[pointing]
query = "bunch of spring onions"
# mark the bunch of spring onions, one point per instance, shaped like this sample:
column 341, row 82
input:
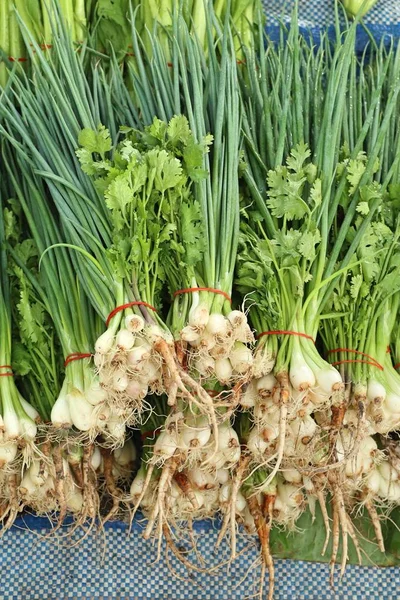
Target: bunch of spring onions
column 38, row 16
column 61, row 473
column 106, row 26
column 208, row 253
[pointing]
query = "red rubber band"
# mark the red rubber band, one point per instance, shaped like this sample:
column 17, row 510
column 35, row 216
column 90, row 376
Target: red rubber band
column 212, row 393
column 364, row 362
column 76, row 356
column 283, row 332
column 21, row 60
column 6, row 374
column 128, row 305
column 353, row 352
column 151, row 433
column 373, row 362
column 203, row 289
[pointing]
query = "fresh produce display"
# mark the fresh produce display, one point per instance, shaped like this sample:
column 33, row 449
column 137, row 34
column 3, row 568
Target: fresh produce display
column 104, row 27
column 200, row 279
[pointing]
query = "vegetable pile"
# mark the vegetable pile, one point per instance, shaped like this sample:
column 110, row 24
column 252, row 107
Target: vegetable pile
column 199, row 286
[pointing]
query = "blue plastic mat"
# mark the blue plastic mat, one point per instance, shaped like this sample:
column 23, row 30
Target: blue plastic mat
column 115, row 565
column 383, row 21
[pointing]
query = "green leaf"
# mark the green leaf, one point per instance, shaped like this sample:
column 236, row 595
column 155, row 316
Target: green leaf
column 355, row 170
column 192, row 233
column 363, row 208
column 11, row 226
column 156, row 130
column 168, row 170
column 356, row 283
column 95, row 141
column 26, row 251
column 298, row 157
column 178, row 130
column 21, row 359
column 193, row 156
column 31, row 321
column 286, row 246
column 284, row 195
column 307, row 541
column 316, row 193
column 119, row 193
column 307, row 243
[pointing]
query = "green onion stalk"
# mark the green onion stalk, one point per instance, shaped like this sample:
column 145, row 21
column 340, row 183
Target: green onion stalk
column 58, row 328
column 12, row 49
column 395, row 345
column 200, row 270
column 113, row 268
column 285, row 233
column 39, row 18
column 81, row 401
column 37, row 361
column 146, row 182
column 156, row 18
column 360, row 322
column 202, row 318
column 362, row 311
column 298, row 244
column 18, row 419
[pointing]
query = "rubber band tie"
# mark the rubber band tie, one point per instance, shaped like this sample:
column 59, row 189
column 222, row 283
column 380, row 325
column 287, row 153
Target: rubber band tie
column 151, row 433
column 203, row 289
column 284, row 332
column 76, row 356
column 128, row 305
column 6, row 374
column 373, row 362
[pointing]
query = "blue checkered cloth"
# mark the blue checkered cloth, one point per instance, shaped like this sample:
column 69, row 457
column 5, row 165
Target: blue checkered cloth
column 115, row 565
column 383, row 20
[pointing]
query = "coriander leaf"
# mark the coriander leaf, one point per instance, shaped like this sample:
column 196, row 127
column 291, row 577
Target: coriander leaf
column 355, row 170
column 363, row 208
column 119, row 193
column 157, row 130
column 316, row 192
column 21, row 359
column 95, row 141
column 298, row 157
column 193, row 160
column 286, row 246
column 11, row 227
column 307, row 243
column 32, row 319
column 192, row 233
column 168, row 170
column 284, row 195
column 178, row 130
column 356, row 283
